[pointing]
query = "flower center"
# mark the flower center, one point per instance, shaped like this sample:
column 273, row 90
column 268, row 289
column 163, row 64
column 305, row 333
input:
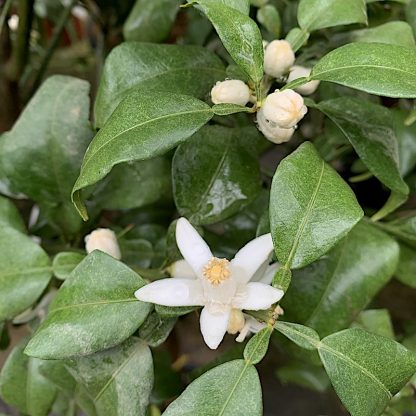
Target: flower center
column 217, row 270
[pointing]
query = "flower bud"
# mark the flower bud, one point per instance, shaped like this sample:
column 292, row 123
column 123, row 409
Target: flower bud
column 299, row 72
column 284, row 108
column 181, row 269
column 236, row 322
column 104, row 240
column 232, row 91
column 272, row 131
column 278, row 58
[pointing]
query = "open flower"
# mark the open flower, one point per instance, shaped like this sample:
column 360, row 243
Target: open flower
column 220, row 286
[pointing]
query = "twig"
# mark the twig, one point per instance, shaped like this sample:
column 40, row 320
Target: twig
column 4, row 12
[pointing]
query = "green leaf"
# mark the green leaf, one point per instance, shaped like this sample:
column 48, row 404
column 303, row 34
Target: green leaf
column 395, row 33
column 269, row 17
column 328, row 294
column 406, row 136
column 376, row 321
column 94, row 309
column 230, row 389
column 366, row 370
column 215, row 173
column 191, row 70
column 369, row 128
column 407, row 265
column 404, row 228
column 25, row 272
column 135, row 184
column 156, row 329
column 23, row 386
column 311, row 208
column 9, row 215
column 239, row 34
column 150, row 21
column 303, row 336
column 119, row 379
column 257, row 346
column 376, row 68
column 143, row 126
column 297, row 38
column 50, row 136
column 318, row 14
column 411, row 14
column 64, row 262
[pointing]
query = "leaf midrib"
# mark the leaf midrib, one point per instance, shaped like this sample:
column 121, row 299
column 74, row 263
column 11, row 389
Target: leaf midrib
column 156, row 119
column 96, row 303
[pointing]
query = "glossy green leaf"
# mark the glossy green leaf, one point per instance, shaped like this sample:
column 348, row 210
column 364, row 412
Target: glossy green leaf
column 216, row 173
column 318, row 14
column 404, row 228
column 369, row 128
column 405, row 271
column 311, row 208
column 9, row 215
column 301, row 335
column 297, row 38
column 25, row 272
column 156, row 329
column 377, row 68
column 230, row 389
column 150, row 21
column 119, row 379
column 189, row 70
column 269, row 17
column 257, row 346
column 239, row 34
column 395, row 33
column 376, row 321
column 242, row 6
column 51, row 136
column 406, row 136
column 366, row 370
column 63, row 263
column 94, row 309
column 23, row 386
column 144, row 125
column 328, row 294
column 135, row 184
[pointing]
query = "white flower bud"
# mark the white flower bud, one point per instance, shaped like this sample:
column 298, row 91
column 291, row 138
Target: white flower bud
column 299, row 72
column 232, row 91
column 278, row 58
column 181, row 269
column 104, row 240
column 285, row 108
column 236, row 322
column 272, row 131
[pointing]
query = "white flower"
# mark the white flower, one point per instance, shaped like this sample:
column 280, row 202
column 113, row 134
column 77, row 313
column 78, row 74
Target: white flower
column 299, row 72
column 272, row 131
column 104, row 240
column 232, row 91
column 278, row 58
column 221, row 286
column 285, row 108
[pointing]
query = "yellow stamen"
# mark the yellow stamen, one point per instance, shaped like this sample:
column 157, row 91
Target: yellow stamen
column 217, row 270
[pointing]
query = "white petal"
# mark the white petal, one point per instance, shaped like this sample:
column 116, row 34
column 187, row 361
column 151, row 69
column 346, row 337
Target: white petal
column 193, row 248
column 181, row 269
column 213, row 326
column 172, row 292
column 268, row 275
column 251, row 257
column 258, row 296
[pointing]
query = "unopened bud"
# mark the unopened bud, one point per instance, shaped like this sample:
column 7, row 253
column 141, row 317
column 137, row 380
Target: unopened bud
column 278, row 58
column 232, row 91
column 181, row 269
column 299, row 72
column 104, row 240
column 285, row 108
column 236, row 322
column 272, row 131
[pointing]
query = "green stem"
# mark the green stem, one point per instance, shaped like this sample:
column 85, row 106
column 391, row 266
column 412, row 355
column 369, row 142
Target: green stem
column 4, row 12
column 56, row 36
column 21, row 49
column 361, row 178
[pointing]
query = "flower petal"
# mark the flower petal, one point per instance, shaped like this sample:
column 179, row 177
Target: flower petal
column 193, row 248
column 258, row 296
column 267, row 277
column 172, row 292
column 252, row 256
column 181, row 269
column 214, row 326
